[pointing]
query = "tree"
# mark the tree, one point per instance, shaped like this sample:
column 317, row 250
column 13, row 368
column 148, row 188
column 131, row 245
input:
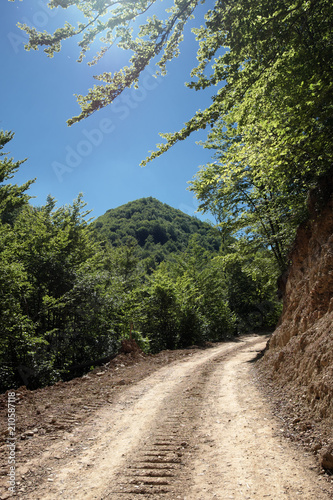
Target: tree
column 272, row 112
column 55, row 311
column 278, row 83
column 12, row 197
column 16, row 329
column 246, row 200
column 185, row 301
column 271, row 60
column 112, row 21
column 160, row 311
column 249, row 277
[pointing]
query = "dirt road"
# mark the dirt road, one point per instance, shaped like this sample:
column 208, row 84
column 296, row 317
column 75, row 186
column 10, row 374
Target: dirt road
column 197, row 429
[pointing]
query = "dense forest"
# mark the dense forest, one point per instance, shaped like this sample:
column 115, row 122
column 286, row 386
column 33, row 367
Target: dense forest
column 71, row 290
column 156, row 230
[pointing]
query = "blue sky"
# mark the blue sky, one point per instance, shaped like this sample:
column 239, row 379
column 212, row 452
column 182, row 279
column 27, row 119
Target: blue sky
column 99, row 156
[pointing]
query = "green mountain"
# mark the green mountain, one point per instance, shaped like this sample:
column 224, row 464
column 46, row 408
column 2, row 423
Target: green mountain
column 157, row 229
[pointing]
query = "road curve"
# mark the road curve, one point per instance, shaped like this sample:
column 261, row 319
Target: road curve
column 197, row 429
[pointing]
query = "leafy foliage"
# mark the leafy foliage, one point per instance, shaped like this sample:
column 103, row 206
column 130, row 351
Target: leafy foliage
column 69, row 296
column 156, row 230
column 271, row 116
column 112, row 22
column 271, row 61
column 12, row 197
column 70, row 290
column 258, row 209
column 202, row 297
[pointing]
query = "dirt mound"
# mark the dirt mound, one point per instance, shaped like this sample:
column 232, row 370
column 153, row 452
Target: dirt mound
column 129, row 347
column 299, row 360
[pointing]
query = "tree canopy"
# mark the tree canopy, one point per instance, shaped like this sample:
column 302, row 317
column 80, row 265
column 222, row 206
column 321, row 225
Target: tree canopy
column 155, row 230
column 271, row 115
column 271, row 61
column 273, row 137
column 114, row 23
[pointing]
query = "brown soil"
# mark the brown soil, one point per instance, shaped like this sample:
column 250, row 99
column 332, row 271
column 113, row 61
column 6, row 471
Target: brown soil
column 298, row 366
column 191, row 424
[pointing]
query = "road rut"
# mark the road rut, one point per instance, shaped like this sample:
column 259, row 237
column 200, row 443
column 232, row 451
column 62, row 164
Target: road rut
column 197, row 429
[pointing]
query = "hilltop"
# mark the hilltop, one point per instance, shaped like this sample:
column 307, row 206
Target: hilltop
column 155, row 228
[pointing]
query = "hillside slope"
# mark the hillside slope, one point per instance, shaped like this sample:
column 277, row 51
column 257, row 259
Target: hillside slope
column 299, row 359
column 158, row 229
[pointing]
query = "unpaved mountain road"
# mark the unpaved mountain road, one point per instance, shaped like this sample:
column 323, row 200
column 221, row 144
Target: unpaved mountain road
column 197, row 429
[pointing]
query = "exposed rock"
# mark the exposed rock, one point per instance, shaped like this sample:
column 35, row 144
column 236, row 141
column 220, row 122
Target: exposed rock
column 308, row 289
column 299, row 358
column 316, row 446
column 326, row 457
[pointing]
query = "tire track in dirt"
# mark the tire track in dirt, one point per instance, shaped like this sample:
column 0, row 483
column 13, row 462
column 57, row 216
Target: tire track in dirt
column 160, row 466
column 120, row 432
column 241, row 453
column 197, row 429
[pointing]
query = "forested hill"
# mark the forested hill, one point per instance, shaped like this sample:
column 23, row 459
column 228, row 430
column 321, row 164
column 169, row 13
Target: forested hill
column 157, row 228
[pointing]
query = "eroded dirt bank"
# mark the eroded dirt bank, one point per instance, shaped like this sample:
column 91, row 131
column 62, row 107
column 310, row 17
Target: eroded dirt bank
column 195, row 429
column 299, row 361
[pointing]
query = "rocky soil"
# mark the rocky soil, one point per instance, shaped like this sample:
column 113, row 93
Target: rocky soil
column 298, row 365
